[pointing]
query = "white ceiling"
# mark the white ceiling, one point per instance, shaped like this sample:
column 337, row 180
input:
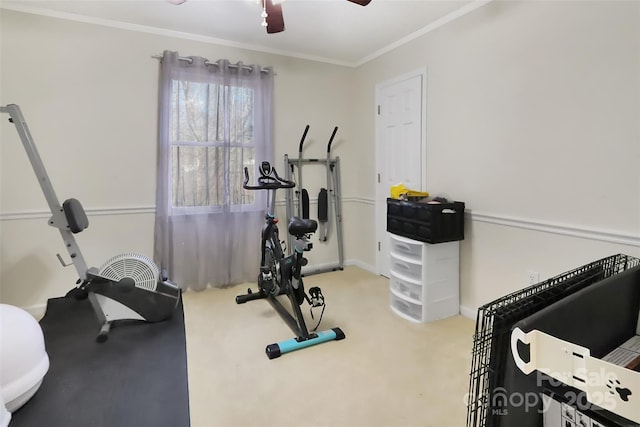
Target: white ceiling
column 335, row 31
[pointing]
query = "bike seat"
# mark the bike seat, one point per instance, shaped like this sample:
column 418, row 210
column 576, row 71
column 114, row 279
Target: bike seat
column 299, row 226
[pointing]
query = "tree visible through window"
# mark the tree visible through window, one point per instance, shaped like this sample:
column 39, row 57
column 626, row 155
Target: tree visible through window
column 206, row 172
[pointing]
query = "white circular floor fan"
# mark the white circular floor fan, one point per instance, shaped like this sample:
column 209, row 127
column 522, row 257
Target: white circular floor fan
column 140, row 268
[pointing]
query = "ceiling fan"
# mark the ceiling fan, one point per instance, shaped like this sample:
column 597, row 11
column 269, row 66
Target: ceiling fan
column 272, row 17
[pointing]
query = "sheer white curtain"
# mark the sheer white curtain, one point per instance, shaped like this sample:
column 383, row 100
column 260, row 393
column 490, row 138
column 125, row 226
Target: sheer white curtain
column 214, row 119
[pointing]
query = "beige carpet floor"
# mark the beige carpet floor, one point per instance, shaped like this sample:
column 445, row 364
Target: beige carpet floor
column 388, row 372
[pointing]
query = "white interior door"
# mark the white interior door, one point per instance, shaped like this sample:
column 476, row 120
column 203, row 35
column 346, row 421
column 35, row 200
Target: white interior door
column 400, row 147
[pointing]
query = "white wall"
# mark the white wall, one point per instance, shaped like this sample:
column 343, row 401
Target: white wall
column 533, row 119
column 89, row 95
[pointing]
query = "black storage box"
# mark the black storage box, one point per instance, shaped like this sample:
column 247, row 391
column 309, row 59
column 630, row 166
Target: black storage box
column 426, row 222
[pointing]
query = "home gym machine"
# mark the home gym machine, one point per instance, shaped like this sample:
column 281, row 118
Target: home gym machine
column 128, row 286
column 326, row 198
column 280, row 275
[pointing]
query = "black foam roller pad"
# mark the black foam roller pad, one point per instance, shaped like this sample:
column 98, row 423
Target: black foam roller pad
column 305, row 203
column 322, row 205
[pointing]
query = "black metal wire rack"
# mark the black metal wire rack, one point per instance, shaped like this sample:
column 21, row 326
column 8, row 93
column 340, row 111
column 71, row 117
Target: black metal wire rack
column 495, row 319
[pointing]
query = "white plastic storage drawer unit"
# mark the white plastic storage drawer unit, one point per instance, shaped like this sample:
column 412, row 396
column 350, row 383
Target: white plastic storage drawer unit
column 424, row 280
column 406, row 289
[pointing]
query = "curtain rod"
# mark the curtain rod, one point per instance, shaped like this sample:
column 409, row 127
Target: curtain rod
column 207, row 62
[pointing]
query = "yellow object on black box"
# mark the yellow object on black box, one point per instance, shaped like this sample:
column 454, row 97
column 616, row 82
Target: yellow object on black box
column 401, row 192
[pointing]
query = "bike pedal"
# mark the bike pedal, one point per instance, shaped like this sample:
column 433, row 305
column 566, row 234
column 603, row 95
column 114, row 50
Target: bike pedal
column 317, row 299
column 315, row 292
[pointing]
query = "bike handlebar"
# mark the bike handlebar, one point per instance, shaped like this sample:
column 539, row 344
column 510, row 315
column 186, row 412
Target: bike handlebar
column 268, row 180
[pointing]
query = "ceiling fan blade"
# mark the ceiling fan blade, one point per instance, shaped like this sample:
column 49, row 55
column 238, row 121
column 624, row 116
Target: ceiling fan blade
column 275, row 20
column 360, row 2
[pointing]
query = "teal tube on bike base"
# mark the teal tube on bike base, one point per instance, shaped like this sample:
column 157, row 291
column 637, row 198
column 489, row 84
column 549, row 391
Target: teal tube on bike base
column 278, row 349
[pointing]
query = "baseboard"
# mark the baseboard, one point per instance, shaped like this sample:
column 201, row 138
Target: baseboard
column 363, row 265
column 37, row 310
column 469, row 313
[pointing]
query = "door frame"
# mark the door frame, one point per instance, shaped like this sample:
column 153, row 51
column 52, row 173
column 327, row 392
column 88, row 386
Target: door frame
column 380, row 203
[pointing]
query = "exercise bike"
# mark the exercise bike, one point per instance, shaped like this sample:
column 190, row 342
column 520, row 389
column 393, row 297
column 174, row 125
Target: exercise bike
column 282, row 276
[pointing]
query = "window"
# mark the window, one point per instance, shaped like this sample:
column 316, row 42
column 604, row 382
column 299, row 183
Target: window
column 205, row 172
column 214, row 119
